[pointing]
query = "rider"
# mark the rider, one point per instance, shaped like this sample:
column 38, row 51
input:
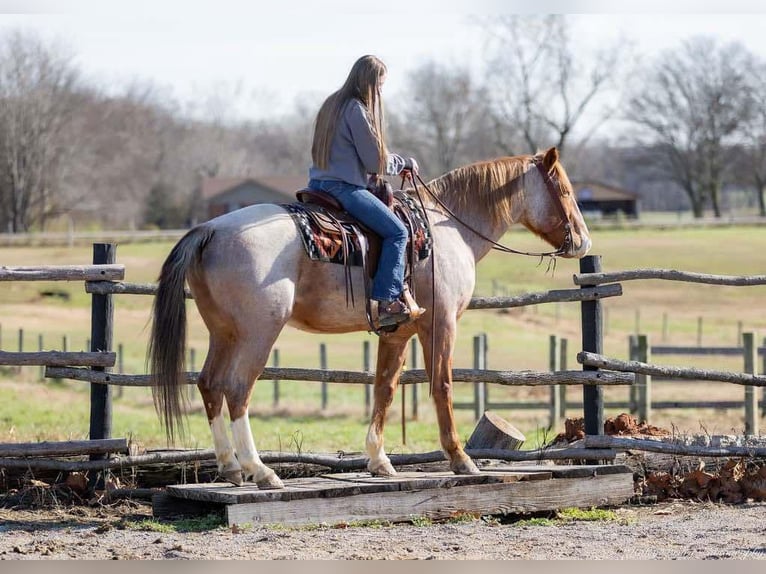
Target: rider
column 349, row 147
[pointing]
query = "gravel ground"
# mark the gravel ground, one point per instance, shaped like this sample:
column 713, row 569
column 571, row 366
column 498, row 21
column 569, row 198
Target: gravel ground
column 674, row 530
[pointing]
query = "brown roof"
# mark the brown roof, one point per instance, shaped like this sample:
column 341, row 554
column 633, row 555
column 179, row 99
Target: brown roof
column 592, row 191
column 285, row 184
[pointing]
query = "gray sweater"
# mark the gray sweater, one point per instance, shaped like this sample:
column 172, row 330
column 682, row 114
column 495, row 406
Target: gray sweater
column 354, row 152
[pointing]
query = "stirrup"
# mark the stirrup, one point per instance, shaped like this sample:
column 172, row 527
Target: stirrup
column 392, row 313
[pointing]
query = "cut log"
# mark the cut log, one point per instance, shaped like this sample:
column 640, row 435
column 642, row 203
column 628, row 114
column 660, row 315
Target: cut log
column 494, row 432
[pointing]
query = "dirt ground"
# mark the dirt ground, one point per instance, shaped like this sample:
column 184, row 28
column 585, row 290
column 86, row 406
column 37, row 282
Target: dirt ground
column 671, row 530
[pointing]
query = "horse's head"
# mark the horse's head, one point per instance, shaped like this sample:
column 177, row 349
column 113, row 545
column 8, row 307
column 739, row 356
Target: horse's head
column 551, row 207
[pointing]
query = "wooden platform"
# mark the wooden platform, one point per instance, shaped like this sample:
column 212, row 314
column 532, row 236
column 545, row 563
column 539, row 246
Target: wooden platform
column 346, row 497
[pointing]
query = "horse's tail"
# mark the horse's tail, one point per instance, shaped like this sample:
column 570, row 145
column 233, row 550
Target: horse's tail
column 167, row 343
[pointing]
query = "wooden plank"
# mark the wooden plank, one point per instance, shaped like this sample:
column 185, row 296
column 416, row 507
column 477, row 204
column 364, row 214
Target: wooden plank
column 553, row 296
column 441, row 503
column 415, row 376
column 64, row 448
column 716, row 351
column 58, row 358
column 565, row 471
column 335, row 485
column 598, row 360
column 597, row 278
column 110, row 272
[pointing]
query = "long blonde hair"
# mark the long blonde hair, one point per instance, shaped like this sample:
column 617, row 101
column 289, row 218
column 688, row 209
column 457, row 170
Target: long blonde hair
column 363, row 83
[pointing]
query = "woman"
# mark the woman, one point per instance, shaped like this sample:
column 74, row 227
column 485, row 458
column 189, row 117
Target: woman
column 348, row 148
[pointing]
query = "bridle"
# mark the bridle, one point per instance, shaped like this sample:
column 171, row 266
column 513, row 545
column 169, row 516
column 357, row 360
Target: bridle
column 550, row 185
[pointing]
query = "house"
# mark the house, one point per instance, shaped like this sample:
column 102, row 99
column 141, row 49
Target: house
column 605, row 200
column 225, row 194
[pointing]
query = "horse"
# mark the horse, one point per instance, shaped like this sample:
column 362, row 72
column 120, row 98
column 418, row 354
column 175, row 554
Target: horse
column 250, row 276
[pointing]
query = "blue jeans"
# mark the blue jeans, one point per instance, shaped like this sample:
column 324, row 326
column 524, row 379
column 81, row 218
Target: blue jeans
column 364, row 206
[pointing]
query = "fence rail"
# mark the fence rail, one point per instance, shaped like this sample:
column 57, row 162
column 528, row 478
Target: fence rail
column 668, row 275
column 691, row 373
column 409, row 377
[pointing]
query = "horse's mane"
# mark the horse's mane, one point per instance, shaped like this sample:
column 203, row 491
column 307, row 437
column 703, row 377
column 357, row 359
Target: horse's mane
column 485, row 185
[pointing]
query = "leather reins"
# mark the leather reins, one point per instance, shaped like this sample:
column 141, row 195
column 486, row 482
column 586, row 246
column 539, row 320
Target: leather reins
column 555, row 196
column 564, row 248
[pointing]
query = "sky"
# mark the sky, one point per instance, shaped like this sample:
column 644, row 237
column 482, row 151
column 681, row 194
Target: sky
column 262, row 57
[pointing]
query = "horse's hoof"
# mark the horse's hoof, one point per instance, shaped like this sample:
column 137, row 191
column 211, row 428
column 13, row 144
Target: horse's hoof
column 465, row 466
column 271, row 481
column 233, row 476
column 382, row 469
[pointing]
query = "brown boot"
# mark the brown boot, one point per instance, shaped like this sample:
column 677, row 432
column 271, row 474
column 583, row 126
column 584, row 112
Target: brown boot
column 392, row 312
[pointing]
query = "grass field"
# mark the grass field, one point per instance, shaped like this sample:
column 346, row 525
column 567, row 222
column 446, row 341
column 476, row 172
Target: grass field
column 518, row 339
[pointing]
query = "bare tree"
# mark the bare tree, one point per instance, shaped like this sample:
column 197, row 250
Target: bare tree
column 540, row 89
column 437, row 115
column 37, row 86
column 694, row 102
column 754, row 132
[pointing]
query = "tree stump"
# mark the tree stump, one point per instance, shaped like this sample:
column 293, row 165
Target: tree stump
column 494, row 432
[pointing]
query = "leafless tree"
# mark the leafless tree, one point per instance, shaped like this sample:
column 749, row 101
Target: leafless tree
column 540, row 89
column 437, row 115
column 692, row 106
column 37, row 85
column 754, row 132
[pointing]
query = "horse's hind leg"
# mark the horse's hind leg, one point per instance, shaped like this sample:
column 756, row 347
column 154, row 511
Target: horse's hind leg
column 391, row 353
column 230, row 372
column 249, row 357
column 212, row 397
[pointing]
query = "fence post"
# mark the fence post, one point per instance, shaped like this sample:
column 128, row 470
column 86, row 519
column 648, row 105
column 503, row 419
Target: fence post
column 593, row 341
column 478, row 388
column 366, row 367
column 633, row 390
column 486, row 366
column 323, row 366
column 643, row 382
column 21, row 340
column 751, row 397
column 553, row 366
column 275, row 382
column 101, row 329
column 563, row 343
column 415, row 387
column 664, row 327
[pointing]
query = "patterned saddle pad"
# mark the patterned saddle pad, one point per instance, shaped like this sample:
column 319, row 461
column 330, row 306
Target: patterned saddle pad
column 323, row 238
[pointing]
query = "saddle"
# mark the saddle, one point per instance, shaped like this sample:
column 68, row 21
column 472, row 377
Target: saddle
column 332, row 235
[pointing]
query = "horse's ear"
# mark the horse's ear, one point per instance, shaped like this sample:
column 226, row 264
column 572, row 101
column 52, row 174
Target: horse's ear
column 550, row 158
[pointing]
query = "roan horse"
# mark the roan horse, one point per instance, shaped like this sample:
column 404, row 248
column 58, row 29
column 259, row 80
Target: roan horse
column 250, row 276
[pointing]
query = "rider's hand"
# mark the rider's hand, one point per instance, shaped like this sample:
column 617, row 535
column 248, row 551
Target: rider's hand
column 411, row 165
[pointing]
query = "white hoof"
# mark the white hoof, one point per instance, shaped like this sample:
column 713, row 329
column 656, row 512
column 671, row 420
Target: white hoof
column 381, row 469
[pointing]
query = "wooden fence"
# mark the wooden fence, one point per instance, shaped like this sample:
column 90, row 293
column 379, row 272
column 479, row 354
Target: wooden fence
column 103, row 280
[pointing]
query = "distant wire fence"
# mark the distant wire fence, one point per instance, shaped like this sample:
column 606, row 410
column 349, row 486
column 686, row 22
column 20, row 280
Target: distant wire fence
column 104, row 278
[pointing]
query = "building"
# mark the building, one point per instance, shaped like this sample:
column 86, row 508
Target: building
column 605, row 200
column 225, row 194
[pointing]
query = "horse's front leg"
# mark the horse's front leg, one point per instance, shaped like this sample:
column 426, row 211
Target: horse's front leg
column 391, row 353
column 440, row 375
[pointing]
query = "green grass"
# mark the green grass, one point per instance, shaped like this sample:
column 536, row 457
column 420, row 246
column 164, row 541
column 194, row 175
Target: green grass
column 569, row 515
column 198, row 524
column 518, row 339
